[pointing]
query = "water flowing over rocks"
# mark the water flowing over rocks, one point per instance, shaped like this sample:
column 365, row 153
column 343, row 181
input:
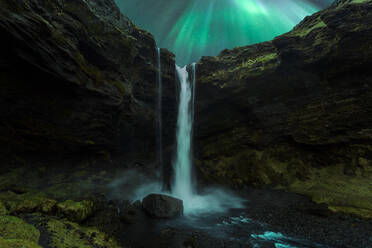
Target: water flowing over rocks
column 295, row 112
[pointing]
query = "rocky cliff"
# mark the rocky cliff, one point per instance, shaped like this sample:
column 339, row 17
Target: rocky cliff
column 79, row 77
column 78, row 97
column 295, row 112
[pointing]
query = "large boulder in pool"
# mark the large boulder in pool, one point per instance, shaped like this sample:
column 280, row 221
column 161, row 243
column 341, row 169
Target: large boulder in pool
column 162, row 206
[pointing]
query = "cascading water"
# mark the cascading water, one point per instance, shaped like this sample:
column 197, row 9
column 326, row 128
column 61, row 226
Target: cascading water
column 210, row 200
column 159, row 113
column 183, row 184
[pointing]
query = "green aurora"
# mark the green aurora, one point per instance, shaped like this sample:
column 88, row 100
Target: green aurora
column 195, row 28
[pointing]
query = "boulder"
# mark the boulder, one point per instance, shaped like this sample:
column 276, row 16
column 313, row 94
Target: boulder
column 131, row 213
column 162, row 206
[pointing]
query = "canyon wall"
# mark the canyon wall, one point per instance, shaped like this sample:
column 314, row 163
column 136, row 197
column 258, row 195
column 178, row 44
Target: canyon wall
column 295, row 112
column 78, row 77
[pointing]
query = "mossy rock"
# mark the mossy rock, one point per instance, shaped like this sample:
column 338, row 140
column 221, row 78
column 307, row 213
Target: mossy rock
column 76, row 211
column 65, row 234
column 17, row 243
column 343, row 194
column 13, row 228
column 239, row 167
column 364, row 213
column 3, row 209
column 27, row 203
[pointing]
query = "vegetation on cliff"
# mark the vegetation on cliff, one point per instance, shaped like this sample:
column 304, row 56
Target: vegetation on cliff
column 294, row 113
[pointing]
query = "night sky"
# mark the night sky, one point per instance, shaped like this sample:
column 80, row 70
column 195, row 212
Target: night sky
column 194, row 28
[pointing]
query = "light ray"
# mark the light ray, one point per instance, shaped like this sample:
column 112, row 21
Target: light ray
column 195, row 28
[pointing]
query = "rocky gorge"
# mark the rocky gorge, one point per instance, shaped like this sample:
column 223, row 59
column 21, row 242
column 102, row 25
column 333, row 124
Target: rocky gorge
column 287, row 122
column 295, row 112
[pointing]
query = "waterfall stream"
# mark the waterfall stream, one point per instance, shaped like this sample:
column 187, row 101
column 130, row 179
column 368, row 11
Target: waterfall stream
column 159, row 139
column 184, row 183
column 183, row 186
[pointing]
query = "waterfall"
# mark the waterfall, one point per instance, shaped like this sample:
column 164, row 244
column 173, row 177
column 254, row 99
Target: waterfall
column 210, row 199
column 183, row 185
column 193, row 67
column 159, row 139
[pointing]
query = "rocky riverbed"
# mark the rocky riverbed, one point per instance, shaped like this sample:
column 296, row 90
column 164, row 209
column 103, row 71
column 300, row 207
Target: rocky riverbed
column 80, row 207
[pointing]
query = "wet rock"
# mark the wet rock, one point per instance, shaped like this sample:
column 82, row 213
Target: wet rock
column 162, row 206
column 133, row 216
column 131, row 213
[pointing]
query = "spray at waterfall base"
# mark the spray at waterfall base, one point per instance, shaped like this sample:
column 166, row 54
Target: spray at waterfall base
column 183, row 185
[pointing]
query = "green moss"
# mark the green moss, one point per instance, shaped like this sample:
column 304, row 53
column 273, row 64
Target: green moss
column 89, row 69
column 342, row 4
column 120, row 86
column 255, row 66
column 27, row 203
column 17, row 243
column 98, row 76
column 360, row 212
column 360, row 1
column 67, row 234
column 290, row 168
column 329, row 185
column 3, row 209
column 248, row 166
column 76, row 211
column 15, row 228
column 248, row 63
column 225, row 158
column 339, row 176
column 304, row 31
column 90, row 142
column 247, row 66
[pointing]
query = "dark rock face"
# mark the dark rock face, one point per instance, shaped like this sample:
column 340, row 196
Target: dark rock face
column 162, row 206
column 294, row 112
column 78, row 76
